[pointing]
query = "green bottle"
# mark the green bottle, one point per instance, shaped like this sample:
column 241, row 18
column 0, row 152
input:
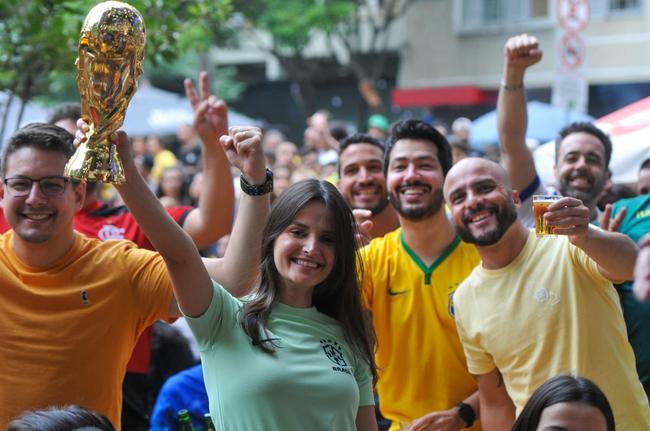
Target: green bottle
column 184, row 421
column 207, row 423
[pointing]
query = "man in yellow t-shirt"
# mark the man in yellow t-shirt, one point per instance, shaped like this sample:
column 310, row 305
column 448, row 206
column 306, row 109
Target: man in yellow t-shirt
column 409, row 277
column 540, row 307
column 162, row 158
column 71, row 308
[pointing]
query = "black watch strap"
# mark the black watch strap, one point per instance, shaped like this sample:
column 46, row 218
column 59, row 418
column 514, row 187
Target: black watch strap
column 467, row 414
column 257, row 190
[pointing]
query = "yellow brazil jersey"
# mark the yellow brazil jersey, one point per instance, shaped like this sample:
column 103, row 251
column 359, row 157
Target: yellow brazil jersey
column 422, row 366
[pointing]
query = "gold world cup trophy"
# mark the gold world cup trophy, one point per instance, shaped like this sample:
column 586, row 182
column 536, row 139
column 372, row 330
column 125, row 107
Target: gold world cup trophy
column 111, row 56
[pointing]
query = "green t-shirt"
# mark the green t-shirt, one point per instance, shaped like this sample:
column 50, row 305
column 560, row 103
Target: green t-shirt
column 311, row 382
column 636, row 224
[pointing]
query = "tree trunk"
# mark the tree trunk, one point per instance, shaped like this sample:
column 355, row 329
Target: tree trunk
column 7, row 109
column 5, row 114
column 302, row 86
column 26, row 95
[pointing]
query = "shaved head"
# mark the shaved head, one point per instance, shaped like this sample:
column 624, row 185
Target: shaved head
column 483, row 205
column 474, row 166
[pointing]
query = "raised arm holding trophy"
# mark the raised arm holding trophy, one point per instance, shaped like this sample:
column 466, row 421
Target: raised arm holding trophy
column 111, row 56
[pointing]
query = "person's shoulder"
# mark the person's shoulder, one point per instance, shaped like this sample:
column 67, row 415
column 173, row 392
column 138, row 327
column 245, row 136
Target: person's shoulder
column 467, row 251
column 119, row 249
column 178, row 212
column 94, row 219
column 6, row 248
column 190, row 375
column 166, row 154
column 378, row 246
column 465, row 288
column 5, row 238
column 88, row 243
column 642, row 201
column 391, row 237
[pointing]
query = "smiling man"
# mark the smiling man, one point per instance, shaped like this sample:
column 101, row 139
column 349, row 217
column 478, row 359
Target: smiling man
column 582, row 151
column 410, row 275
column 539, row 307
column 71, row 308
column 362, row 182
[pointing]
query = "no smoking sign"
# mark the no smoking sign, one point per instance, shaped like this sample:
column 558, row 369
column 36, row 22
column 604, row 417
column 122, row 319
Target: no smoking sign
column 572, row 51
column 573, row 15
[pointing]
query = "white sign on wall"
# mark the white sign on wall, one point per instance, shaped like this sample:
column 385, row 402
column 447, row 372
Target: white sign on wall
column 573, row 15
column 571, row 92
column 570, row 88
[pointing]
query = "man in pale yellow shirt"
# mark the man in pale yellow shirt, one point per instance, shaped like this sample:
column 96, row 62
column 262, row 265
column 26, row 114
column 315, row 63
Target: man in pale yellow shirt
column 539, row 307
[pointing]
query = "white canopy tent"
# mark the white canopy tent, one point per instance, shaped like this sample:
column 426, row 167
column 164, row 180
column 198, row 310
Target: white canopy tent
column 544, row 121
column 629, row 130
column 157, row 112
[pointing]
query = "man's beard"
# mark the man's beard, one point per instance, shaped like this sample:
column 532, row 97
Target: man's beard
column 505, row 215
column 383, row 203
column 421, row 213
column 588, row 197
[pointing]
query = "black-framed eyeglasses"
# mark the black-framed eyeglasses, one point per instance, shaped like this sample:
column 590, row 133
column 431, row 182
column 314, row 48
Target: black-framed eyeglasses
column 50, row 186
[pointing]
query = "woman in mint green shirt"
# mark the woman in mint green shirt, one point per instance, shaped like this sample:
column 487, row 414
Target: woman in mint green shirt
column 297, row 355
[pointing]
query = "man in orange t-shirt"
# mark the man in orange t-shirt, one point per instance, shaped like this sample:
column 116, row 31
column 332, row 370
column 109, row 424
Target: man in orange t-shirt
column 205, row 224
column 71, row 308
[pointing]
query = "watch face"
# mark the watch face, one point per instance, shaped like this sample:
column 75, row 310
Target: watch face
column 466, row 413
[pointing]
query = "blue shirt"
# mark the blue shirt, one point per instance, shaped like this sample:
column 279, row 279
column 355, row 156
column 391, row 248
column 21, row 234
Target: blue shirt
column 184, row 390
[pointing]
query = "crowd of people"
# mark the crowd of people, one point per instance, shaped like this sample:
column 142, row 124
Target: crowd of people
column 389, row 279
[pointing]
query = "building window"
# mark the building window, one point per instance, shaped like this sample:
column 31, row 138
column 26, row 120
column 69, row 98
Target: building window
column 539, row 9
column 624, row 5
column 492, row 11
column 500, row 15
column 613, row 8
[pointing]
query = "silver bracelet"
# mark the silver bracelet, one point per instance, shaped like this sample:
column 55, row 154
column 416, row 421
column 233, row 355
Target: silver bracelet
column 515, row 87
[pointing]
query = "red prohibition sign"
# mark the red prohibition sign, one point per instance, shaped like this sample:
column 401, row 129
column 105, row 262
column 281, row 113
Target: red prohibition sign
column 572, row 50
column 573, row 15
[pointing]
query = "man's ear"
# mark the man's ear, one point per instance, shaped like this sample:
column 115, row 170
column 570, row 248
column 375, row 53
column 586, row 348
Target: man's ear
column 515, row 198
column 79, row 195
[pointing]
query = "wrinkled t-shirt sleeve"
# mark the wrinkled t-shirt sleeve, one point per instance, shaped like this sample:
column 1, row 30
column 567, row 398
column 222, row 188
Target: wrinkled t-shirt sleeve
column 479, row 361
column 364, row 380
column 220, row 316
column 151, row 292
column 588, row 265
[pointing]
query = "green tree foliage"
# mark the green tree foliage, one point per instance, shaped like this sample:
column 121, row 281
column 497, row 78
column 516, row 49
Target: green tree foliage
column 39, row 39
column 293, row 22
column 358, row 28
column 170, row 76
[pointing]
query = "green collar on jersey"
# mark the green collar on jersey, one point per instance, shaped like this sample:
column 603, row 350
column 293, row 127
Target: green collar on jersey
column 428, row 270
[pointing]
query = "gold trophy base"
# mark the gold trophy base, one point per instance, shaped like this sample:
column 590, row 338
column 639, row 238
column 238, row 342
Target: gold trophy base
column 93, row 163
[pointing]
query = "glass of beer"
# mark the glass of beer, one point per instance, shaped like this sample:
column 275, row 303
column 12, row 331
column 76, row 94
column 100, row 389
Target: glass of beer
column 540, row 206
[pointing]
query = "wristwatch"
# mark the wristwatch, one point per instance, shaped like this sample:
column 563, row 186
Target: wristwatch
column 466, row 413
column 257, row 190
